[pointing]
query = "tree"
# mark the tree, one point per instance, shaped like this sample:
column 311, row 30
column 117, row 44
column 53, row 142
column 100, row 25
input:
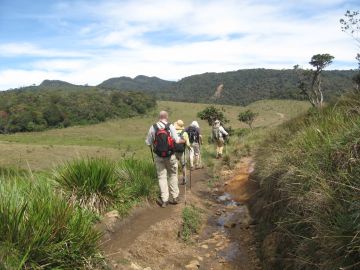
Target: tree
column 351, row 25
column 210, row 114
column 310, row 80
column 247, row 117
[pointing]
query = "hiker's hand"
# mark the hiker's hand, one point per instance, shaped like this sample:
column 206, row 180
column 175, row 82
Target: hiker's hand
column 182, row 141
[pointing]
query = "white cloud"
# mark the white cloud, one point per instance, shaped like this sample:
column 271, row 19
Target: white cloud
column 214, row 36
column 29, row 49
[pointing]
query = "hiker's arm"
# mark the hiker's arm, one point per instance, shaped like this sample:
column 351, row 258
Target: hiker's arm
column 223, row 131
column 200, row 139
column 150, row 137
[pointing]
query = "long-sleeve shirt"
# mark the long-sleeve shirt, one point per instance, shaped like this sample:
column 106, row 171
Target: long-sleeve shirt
column 223, row 132
column 150, row 138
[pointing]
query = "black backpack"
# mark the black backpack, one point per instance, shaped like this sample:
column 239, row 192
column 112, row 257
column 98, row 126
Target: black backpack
column 180, row 147
column 163, row 143
column 193, row 134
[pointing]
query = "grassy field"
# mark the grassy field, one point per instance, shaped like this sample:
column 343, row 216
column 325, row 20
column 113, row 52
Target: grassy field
column 123, row 137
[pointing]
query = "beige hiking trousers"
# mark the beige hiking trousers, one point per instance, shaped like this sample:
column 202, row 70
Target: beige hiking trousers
column 195, row 155
column 219, row 147
column 167, row 172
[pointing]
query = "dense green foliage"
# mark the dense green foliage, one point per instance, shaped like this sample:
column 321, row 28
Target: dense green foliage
column 309, row 176
column 211, row 113
column 40, row 230
column 247, row 117
column 139, row 83
column 240, row 87
column 99, row 184
column 35, row 109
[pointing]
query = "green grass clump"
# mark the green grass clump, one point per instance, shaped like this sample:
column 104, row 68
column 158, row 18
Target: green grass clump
column 92, row 183
column 40, row 230
column 191, row 222
column 138, row 177
column 309, row 174
column 100, row 184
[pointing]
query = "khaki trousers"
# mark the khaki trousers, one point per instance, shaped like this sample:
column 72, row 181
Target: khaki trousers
column 219, row 147
column 195, row 155
column 167, row 172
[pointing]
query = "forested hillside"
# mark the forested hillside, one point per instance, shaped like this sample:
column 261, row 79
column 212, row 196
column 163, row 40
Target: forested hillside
column 139, row 83
column 38, row 110
column 240, row 87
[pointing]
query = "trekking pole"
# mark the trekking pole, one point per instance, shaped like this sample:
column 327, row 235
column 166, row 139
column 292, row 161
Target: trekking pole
column 200, row 160
column 152, row 154
column 190, row 178
column 184, row 174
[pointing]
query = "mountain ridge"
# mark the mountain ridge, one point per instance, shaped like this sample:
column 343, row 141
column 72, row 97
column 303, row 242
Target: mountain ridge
column 240, row 87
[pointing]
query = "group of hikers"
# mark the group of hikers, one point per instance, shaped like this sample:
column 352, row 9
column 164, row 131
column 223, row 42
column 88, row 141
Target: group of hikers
column 170, row 142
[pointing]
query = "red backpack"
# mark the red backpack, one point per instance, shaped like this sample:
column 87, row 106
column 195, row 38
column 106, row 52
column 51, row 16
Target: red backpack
column 163, row 143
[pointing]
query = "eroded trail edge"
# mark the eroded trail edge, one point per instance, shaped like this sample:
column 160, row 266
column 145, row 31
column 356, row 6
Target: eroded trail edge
column 149, row 237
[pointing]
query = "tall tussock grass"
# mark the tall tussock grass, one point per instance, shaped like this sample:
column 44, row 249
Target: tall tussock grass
column 99, row 184
column 92, row 183
column 309, row 205
column 138, row 178
column 40, row 230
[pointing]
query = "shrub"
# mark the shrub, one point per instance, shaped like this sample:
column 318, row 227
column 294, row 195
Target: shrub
column 92, row 183
column 191, row 222
column 40, row 230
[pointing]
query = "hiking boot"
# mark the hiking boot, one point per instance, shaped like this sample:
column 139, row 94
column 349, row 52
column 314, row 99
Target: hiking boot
column 175, row 201
column 164, row 204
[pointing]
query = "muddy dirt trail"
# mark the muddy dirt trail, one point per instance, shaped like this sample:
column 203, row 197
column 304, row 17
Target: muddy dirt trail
column 148, row 238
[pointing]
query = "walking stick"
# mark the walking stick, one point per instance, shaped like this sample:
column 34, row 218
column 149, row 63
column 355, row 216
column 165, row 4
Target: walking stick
column 184, row 174
column 190, row 179
column 152, row 154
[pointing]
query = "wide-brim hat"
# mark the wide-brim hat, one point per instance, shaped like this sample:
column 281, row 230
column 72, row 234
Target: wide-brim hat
column 179, row 124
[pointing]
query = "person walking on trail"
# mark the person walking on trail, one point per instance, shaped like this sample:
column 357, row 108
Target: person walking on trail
column 161, row 138
column 218, row 136
column 195, row 139
column 180, row 148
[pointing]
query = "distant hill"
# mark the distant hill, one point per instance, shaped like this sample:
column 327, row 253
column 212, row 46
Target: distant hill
column 243, row 87
column 139, row 83
column 55, row 83
column 239, row 87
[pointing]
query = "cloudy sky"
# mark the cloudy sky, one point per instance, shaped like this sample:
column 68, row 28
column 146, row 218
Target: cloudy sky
column 89, row 41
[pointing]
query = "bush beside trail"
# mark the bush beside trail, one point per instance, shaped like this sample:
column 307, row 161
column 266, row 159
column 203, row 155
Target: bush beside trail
column 309, row 174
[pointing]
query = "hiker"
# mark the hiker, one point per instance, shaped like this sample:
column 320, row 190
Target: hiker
column 195, row 139
column 180, row 148
column 161, row 138
column 219, row 136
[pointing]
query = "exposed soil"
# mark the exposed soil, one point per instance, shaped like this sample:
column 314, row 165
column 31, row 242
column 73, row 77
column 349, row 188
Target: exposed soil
column 148, row 239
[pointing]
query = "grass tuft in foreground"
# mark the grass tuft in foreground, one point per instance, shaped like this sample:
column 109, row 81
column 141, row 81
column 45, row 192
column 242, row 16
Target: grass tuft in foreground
column 138, row 177
column 92, row 183
column 100, row 184
column 40, row 230
column 191, row 222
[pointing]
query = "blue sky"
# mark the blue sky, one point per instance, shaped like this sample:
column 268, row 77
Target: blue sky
column 90, row 41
